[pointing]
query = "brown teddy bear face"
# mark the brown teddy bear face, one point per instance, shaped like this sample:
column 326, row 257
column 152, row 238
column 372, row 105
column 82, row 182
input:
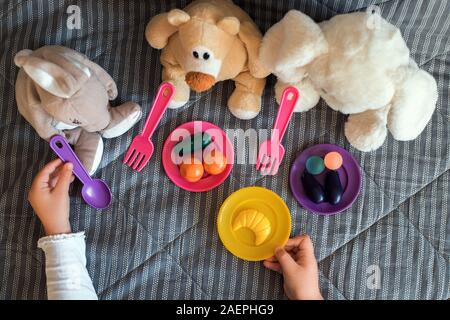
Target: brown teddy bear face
column 204, row 48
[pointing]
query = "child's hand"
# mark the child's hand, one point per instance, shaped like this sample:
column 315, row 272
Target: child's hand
column 49, row 196
column 298, row 265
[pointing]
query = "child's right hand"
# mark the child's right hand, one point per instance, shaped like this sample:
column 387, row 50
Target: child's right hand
column 49, row 196
column 298, row 265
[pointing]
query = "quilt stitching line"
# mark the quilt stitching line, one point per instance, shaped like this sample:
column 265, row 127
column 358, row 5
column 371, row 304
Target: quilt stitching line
column 332, row 284
column 424, row 237
column 7, row 80
column 409, row 222
column 128, row 274
column 445, row 52
column 163, row 248
column 390, row 212
column 14, row 7
column 188, row 274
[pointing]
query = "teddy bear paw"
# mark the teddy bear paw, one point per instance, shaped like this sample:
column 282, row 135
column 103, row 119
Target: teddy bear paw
column 123, row 118
column 181, row 95
column 366, row 135
column 174, row 104
column 244, row 105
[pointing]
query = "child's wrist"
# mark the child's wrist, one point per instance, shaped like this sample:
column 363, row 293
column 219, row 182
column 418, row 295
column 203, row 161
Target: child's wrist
column 315, row 295
column 58, row 229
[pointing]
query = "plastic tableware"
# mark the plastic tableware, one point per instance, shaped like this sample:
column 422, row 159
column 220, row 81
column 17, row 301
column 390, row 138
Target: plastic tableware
column 333, row 160
column 315, row 165
column 141, row 149
column 271, row 152
column 256, row 222
column 214, row 161
column 192, row 169
column 349, row 174
column 333, row 187
column 193, row 143
column 313, row 189
column 220, row 140
column 95, row 192
column 241, row 241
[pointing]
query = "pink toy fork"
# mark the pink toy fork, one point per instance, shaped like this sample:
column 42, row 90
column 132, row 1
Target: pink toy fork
column 271, row 152
column 141, row 149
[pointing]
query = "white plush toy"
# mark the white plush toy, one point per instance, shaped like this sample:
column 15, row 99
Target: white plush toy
column 360, row 65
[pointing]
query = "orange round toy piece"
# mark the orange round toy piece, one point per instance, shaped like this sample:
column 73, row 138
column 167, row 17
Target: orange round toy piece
column 191, row 169
column 214, row 161
column 333, row 161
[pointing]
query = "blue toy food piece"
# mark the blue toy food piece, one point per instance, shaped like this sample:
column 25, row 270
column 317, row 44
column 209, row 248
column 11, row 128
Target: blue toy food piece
column 193, row 143
column 315, row 165
column 312, row 187
column 333, row 188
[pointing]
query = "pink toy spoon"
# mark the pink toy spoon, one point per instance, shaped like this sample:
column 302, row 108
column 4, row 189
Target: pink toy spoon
column 141, row 149
column 95, row 192
column 271, row 152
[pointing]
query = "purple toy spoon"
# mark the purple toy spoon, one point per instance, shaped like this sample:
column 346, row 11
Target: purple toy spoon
column 95, row 192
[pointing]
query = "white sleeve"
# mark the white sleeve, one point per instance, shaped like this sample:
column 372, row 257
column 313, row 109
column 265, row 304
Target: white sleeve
column 65, row 267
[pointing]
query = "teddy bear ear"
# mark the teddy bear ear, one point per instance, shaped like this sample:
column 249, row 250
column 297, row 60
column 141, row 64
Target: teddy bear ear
column 230, row 25
column 51, row 77
column 162, row 26
column 21, row 57
column 177, row 17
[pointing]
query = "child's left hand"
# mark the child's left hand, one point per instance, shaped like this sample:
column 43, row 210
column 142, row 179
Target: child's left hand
column 49, row 196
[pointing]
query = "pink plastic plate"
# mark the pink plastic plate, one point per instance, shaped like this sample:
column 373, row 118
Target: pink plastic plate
column 221, row 141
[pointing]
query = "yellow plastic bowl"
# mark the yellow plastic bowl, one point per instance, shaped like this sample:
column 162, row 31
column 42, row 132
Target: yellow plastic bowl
column 241, row 242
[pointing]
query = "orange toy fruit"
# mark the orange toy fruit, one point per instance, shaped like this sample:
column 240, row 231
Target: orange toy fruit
column 214, row 161
column 333, row 161
column 191, row 169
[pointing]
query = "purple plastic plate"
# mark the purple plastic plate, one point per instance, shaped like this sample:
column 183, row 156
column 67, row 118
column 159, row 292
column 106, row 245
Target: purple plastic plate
column 349, row 173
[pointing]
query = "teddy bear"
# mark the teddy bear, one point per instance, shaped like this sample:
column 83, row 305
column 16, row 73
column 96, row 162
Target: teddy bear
column 207, row 42
column 360, row 65
column 60, row 91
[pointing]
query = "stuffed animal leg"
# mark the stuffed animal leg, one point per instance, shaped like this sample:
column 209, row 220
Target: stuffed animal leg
column 287, row 49
column 245, row 102
column 123, row 118
column 172, row 72
column 309, row 95
column 413, row 104
column 88, row 147
column 367, row 131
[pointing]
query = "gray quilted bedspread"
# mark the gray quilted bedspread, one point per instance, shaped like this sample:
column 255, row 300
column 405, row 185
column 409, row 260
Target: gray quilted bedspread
column 159, row 242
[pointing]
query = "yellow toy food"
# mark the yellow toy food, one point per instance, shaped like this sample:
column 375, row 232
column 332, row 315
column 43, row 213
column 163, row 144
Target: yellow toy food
column 256, row 222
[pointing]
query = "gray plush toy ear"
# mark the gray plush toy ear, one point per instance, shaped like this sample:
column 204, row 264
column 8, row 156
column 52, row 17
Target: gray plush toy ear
column 50, row 75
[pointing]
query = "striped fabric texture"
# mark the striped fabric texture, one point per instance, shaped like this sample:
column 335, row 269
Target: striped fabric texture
column 157, row 241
